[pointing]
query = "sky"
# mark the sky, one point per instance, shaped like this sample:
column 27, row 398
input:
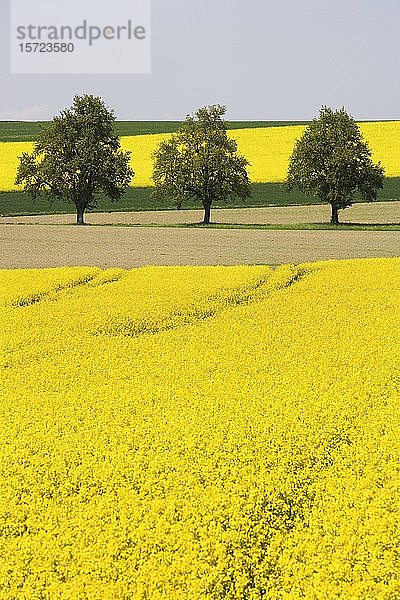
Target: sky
column 263, row 59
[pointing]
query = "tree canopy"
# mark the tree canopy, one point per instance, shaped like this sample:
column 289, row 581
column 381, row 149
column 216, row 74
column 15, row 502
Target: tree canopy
column 331, row 161
column 77, row 157
column 200, row 163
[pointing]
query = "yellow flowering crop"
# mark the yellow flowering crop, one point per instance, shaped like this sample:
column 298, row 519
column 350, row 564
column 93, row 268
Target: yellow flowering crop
column 266, row 148
column 384, row 142
column 142, row 147
column 9, row 153
column 200, row 432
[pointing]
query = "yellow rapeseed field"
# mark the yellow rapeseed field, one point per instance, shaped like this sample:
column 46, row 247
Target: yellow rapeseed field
column 267, row 149
column 9, row 153
column 189, row 433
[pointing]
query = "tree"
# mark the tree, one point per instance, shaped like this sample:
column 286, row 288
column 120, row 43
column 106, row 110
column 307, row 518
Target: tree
column 199, row 162
column 77, row 156
column 332, row 162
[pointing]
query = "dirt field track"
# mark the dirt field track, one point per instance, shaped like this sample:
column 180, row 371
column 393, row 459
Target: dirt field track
column 27, row 242
column 376, row 212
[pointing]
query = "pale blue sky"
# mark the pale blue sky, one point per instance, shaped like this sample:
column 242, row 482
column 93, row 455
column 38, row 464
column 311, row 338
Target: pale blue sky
column 264, row 59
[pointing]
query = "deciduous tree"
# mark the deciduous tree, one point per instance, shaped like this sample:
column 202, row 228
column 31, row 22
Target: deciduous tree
column 200, row 163
column 77, row 157
column 331, row 161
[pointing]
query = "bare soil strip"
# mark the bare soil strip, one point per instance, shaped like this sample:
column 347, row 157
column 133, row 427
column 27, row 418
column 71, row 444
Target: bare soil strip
column 24, row 246
column 376, row 212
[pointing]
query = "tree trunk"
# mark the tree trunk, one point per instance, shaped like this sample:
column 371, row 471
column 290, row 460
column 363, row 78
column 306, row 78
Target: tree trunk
column 335, row 215
column 207, row 210
column 79, row 215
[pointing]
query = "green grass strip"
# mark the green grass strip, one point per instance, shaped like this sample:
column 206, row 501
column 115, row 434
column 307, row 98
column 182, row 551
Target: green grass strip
column 138, row 199
column 27, row 131
column 268, row 227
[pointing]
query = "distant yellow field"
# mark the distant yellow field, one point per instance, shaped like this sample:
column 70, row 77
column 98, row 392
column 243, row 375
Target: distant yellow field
column 142, row 147
column 267, row 149
column 200, row 433
column 9, row 153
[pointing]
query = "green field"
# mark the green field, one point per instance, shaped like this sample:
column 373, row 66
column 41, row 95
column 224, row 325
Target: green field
column 26, row 131
column 263, row 194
